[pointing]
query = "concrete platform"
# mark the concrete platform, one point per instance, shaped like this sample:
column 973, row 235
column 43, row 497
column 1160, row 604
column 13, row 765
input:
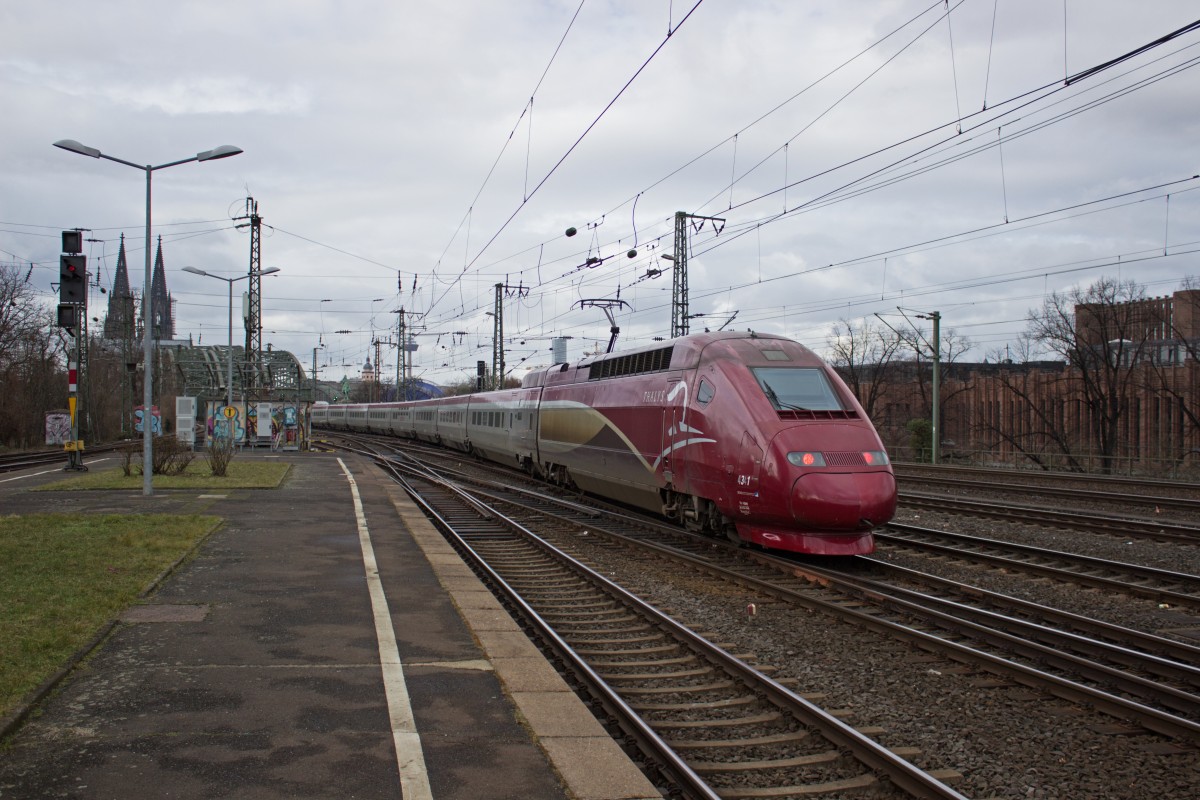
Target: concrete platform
column 266, row 666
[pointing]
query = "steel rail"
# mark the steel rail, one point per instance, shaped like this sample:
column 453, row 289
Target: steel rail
column 18, row 461
column 1168, row 650
column 870, row 753
column 1149, row 717
column 995, row 629
column 1118, row 526
column 630, row 722
column 1066, row 575
column 906, row 468
column 1083, row 495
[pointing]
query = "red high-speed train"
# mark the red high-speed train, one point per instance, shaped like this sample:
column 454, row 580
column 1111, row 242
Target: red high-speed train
column 744, row 435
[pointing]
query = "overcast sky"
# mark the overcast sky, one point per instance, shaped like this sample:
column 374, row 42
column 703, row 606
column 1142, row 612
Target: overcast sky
column 863, row 155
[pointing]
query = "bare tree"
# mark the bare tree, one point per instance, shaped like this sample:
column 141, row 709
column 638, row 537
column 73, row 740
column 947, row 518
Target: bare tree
column 1038, row 432
column 1102, row 333
column 1177, row 358
column 867, row 357
column 31, row 369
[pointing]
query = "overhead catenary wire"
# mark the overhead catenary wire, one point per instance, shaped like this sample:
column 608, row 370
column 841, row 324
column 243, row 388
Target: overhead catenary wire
column 608, row 277
column 1025, row 99
column 756, row 225
column 574, row 145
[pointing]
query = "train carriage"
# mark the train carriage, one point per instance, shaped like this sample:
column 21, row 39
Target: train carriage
column 744, row 435
column 502, row 426
column 602, row 426
column 753, row 436
column 400, row 420
column 424, row 420
column 452, row 422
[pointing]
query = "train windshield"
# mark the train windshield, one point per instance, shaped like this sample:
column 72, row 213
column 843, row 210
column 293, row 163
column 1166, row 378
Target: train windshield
column 797, row 389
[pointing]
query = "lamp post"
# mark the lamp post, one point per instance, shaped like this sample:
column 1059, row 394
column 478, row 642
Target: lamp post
column 231, row 281
column 224, row 151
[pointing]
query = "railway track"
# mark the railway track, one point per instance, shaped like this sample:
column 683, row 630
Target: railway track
column 712, row 722
column 1083, row 497
column 17, row 461
column 1140, row 678
column 1161, row 586
column 1038, row 479
column 1101, row 664
column 1162, row 531
column 40, row 458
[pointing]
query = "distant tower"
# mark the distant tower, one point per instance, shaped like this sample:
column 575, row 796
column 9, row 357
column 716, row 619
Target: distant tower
column 368, row 372
column 164, row 316
column 119, row 322
column 558, row 349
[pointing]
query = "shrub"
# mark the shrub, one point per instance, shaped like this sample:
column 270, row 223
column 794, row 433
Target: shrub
column 920, row 438
column 170, row 456
column 127, row 452
column 218, row 455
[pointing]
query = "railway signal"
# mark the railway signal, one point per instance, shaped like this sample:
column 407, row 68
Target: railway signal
column 72, row 315
column 72, row 241
column 72, row 284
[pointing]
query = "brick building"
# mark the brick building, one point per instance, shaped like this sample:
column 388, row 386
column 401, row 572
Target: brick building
column 1126, row 397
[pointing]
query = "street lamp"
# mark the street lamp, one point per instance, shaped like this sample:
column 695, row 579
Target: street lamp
column 231, row 281
column 224, row 151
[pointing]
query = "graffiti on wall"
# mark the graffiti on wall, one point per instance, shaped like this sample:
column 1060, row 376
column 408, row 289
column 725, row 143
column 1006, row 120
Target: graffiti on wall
column 58, row 427
column 156, row 425
column 281, row 425
column 225, row 422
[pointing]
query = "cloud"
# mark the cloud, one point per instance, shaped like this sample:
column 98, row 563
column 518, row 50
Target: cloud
column 212, row 96
column 387, row 140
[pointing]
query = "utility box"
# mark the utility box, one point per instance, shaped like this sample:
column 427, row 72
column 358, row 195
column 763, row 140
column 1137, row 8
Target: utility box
column 185, row 420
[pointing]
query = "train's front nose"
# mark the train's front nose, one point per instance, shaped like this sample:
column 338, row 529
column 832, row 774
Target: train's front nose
column 843, row 501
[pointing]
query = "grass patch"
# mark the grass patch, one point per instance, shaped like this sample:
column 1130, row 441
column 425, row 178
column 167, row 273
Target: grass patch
column 240, row 475
column 63, row 576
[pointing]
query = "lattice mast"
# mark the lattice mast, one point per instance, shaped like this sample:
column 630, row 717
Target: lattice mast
column 254, row 300
column 403, row 362
column 498, row 339
column 679, row 284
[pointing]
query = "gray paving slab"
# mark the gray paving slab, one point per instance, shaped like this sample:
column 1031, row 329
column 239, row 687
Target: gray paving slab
column 275, row 690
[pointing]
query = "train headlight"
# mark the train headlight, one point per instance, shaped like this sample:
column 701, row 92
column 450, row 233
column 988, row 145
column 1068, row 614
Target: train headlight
column 806, row 459
column 875, row 458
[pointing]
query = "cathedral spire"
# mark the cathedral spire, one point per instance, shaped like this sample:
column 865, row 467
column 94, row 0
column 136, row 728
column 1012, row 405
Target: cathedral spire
column 164, row 317
column 119, row 322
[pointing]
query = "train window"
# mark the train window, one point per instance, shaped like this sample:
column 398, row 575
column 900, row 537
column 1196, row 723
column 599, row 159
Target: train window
column 797, row 389
column 704, row 392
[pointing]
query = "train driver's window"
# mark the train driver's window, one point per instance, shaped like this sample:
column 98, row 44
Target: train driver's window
column 797, row 388
column 704, row 393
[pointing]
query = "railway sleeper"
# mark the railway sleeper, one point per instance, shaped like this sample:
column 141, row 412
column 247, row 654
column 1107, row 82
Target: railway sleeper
column 709, row 767
column 788, row 737
column 764, row 718
column 657, row 676
column 696, row 688
column 732, row 702
column 670, row 647
column 579, row 628
column 841, row 785
column 626, row 640
column 641, row 664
